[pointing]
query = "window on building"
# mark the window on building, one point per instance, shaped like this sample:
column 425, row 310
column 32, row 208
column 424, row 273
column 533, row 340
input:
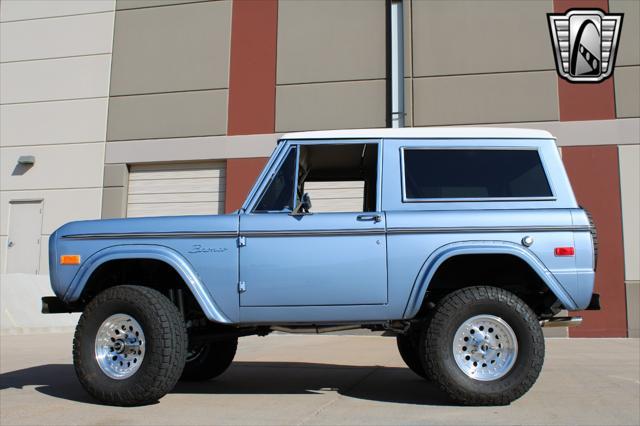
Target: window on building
column 474, row 173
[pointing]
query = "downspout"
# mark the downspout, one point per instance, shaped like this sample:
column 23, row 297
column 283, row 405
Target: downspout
column 395, row 63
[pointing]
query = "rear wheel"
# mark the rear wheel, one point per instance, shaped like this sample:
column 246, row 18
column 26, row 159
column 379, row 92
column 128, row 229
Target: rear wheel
column 130, row 346
column 483, row 346
column 209, row 359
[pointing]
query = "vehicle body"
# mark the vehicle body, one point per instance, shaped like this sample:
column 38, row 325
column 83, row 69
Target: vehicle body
column 275, row 265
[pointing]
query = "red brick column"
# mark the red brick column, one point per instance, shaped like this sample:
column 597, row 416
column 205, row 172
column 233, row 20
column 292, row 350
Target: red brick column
column 595, row 177
column 252, row 87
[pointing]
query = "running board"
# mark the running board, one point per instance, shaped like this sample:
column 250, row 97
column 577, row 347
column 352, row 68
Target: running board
column 561, row 322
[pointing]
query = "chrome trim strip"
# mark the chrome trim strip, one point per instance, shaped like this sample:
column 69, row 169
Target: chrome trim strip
column 314, row 233
column 487, row 229
column 108, row 236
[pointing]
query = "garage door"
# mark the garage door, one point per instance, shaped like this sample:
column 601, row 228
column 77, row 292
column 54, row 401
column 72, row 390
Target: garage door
column 335, row 196
column 176, row 189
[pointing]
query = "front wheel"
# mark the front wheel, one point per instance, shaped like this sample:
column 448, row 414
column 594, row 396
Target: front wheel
column 130, row 346
column 483, row 346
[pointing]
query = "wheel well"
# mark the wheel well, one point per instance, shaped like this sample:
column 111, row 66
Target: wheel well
column 144, row 272
column 505, row 271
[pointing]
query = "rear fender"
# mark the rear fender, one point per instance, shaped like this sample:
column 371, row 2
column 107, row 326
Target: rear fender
column 439, row 256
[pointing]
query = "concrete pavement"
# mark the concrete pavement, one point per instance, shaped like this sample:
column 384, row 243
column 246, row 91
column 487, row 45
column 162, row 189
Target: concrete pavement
column 285, row 379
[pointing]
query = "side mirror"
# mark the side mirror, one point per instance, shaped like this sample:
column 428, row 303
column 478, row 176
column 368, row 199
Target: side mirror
column 303, row 206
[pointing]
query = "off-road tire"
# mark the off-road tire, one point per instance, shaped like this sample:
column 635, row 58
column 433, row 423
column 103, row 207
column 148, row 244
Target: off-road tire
column 437, row 352
column 166, row 346
column 215, row 358
column 409, row 348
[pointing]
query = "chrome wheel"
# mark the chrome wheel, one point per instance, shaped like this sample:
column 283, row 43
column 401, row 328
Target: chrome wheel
column 485, row 347
column 120, row 346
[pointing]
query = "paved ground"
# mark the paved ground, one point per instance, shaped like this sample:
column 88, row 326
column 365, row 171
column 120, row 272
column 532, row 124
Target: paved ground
column 285, row 379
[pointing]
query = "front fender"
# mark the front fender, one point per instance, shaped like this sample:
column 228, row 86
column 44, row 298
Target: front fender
column 439, row 256
column 153, row 252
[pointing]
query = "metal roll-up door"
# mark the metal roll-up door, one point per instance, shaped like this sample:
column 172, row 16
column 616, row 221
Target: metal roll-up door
column 335, row 196
column 176, row 189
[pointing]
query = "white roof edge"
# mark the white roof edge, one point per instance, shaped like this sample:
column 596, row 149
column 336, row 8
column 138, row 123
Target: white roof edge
column 424, row 132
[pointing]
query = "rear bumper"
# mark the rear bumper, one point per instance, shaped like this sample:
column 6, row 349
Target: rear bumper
column 53, row 305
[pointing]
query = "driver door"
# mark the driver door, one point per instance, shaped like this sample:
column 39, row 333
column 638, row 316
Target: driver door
column 317, row 259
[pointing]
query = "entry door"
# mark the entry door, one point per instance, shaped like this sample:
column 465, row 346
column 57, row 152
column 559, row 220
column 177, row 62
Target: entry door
column 313, row 260
column 23, row 243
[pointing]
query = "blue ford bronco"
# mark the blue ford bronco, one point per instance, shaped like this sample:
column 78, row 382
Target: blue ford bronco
column 462, row 243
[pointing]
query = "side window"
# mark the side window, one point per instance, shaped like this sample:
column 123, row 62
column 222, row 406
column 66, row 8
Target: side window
column 340, row 177
column 278, row 196
column 473, row 173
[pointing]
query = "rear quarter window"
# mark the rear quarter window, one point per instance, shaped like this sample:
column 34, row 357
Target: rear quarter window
column 439, row 174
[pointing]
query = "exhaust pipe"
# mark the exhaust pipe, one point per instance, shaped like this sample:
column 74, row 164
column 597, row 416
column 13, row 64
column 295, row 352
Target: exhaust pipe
column 314, row 330
column 561, row 322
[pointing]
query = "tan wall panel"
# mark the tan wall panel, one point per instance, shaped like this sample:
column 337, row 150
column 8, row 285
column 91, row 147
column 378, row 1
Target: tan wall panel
column 114, row 202
column 56, row 167
column 629, row 48
column 199, row 113
column 55, row 79
column 329, row 41
column 85, row 202
column 4, row 240
column 11, row 10
column 54, row 122
column 330, row 106
column 462, row 37
column 134, row 4
column 56, row 37
column 497, row 98
column 629, row 157
column 627, row 83
column 175, row 48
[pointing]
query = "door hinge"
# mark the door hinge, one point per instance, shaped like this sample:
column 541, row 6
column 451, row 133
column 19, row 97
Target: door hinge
column 242, row 241
column 242, row 286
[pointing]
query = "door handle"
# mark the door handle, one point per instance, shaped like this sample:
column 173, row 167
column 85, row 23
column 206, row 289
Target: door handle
column 10, row 244
column 374, row 217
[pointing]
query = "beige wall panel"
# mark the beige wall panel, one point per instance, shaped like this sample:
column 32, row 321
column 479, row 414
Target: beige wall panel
column 188, row 149
column 3, row 253
column 12, row 10
column 330, row 106
column 486, row 98
column 167, row 49
column 85, row 202
column 181, row 114
column 330, row 40
column 56, row 167
column 114, row 202
column 463, row 37
column 408, row 102
column 56, row 37
column 629, row 180
column 633, row 308
column 55, row 79
column 115, row 175
column 629, row 48
column 627, row 84
column 43, row 123
column 135, row 4
column 44, row 256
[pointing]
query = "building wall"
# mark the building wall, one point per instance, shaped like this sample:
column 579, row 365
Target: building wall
column 201, row 81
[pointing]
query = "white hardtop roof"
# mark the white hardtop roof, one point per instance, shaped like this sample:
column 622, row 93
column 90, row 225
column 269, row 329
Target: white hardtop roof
column 424, row 133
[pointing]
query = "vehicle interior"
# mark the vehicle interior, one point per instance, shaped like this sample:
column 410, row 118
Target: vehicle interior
column 338, row 177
